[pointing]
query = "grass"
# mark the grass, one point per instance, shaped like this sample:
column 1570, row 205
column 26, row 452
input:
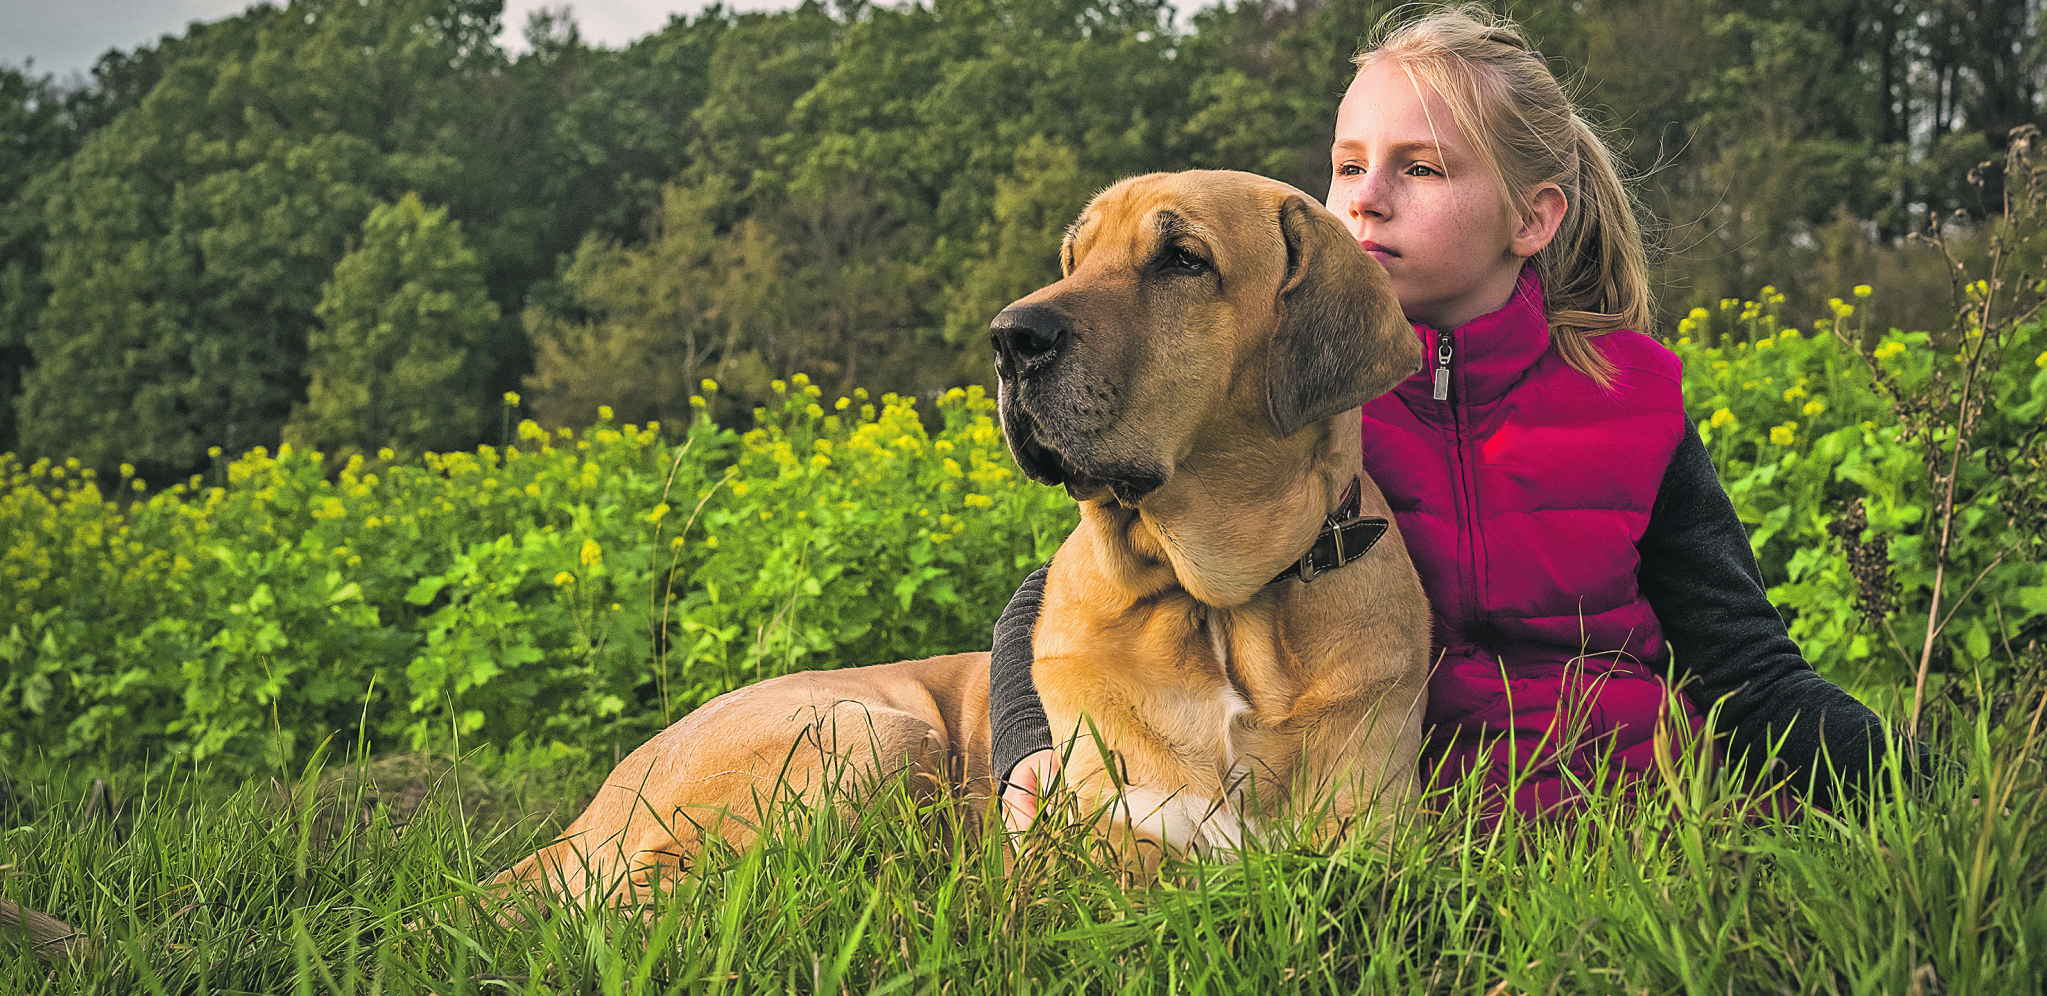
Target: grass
column 364, row 881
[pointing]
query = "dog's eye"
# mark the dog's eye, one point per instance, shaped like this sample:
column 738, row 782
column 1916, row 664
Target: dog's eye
column 1182, row 260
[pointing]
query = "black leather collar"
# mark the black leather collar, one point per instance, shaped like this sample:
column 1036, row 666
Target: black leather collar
column 1345, row 537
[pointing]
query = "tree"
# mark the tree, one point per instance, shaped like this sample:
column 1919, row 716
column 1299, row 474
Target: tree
column 1033, row 206
column 395, row 359
column 929, row 107
column 38, row 134
column 190, row 237
column 654, row 318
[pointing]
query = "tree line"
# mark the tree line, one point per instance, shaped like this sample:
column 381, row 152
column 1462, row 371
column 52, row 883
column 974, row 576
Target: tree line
column 349, row 225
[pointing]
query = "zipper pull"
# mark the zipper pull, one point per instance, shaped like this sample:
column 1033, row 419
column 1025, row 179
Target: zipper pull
column 1443, row 367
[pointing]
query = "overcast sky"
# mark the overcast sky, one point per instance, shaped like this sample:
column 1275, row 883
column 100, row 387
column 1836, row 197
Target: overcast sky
column 67, row 36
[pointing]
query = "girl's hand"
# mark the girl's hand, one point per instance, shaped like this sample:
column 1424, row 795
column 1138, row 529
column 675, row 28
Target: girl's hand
column 1031, row 777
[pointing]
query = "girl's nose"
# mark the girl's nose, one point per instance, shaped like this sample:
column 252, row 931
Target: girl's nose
column 1369, row 197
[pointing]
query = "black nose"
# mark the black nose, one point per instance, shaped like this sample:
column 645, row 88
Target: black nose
column 1024, row 334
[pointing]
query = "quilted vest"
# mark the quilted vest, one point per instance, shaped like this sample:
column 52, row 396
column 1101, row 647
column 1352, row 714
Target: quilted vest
column 1521, row 492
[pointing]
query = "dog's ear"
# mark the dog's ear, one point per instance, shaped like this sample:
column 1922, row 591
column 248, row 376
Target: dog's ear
column 1340, row 340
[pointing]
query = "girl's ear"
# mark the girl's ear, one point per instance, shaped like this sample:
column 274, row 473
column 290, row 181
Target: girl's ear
column 1539, row 225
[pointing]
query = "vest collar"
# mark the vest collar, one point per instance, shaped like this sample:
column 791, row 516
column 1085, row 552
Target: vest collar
column 1488, row 355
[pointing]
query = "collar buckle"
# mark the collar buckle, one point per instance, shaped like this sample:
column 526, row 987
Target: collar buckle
column 1335, row 542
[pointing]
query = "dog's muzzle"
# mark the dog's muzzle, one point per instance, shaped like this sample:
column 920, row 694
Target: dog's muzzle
column 1028, row 341
column 1041, row 402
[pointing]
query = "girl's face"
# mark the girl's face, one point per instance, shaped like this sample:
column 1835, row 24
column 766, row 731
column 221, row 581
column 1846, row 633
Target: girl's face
column 1409, row 187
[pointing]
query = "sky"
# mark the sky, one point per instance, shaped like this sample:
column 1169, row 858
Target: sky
column 68, row 36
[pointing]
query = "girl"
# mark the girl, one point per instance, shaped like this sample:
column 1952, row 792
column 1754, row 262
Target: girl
column 1572, row 535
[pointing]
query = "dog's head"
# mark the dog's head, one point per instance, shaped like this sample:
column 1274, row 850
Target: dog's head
column 1197, row 310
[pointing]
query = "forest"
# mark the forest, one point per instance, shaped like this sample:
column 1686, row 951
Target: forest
column 349, row 225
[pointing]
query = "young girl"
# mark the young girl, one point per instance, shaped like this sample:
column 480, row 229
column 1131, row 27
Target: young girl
column 1568, row 526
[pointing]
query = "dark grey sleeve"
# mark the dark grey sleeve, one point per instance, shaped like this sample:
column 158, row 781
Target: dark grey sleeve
column 1701, row 579
column 1014, row 712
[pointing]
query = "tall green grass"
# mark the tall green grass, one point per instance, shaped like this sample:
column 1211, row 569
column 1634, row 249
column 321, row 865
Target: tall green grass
column 355, row 882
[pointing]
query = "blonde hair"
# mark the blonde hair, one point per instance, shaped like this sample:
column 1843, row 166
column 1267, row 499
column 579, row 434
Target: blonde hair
column 1595, row 272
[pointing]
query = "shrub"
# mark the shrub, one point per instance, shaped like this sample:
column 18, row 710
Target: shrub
column 570, row 588
column 1837, row 460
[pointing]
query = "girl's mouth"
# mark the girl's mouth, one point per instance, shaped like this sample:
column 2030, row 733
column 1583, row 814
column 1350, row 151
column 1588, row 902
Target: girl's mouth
column 1379, row 252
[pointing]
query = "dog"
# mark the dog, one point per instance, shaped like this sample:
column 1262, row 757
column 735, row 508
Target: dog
column 1233, row 634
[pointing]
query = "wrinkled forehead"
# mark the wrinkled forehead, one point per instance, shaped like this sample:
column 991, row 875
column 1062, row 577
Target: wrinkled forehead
column 1199, row 207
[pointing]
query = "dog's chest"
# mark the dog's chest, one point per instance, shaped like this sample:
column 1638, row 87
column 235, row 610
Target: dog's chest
column 1207, row 686
column 1244, row 653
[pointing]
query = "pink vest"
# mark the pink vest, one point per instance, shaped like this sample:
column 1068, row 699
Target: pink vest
column 1521, row 497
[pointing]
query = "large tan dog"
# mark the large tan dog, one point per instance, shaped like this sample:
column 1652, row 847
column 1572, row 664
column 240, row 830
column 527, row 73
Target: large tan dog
column 1193, row 380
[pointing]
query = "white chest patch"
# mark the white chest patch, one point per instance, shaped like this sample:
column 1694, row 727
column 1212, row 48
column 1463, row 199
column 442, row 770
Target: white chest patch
column 1185, row 821
column 1233, row 704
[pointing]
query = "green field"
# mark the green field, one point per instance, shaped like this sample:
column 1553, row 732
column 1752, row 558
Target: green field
column 348, row 883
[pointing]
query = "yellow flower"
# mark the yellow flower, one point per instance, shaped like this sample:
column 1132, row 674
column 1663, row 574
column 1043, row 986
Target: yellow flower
column 1783, row 435
column 1863, row 290
column 591, row 554
column 213, row 451
column 1893, row 348
column 603, row 413
column 655, row 514
column 511, row 397
column 2041, row 361
column 564, row 578
column 1722, row 417
column 840, row 405
column 1814, row 407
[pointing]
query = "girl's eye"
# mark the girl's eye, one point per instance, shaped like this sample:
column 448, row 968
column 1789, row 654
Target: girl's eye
column 1423, row 169
column 1349, row 169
